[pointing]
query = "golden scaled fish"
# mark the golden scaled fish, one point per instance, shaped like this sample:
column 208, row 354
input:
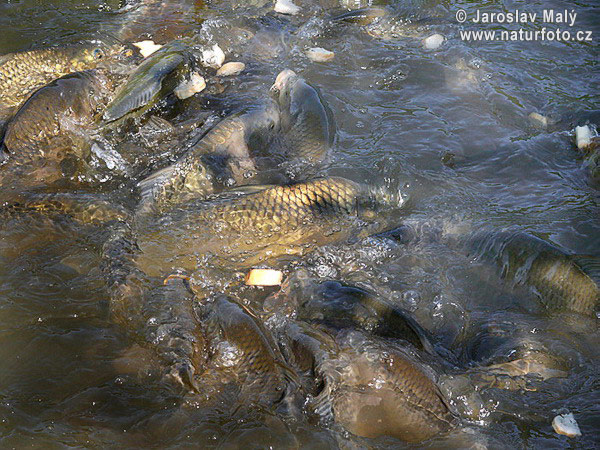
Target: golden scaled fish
column 21, row 73
column 377, row 390
column 558, row 279
column 244, row 354
column 269, row 222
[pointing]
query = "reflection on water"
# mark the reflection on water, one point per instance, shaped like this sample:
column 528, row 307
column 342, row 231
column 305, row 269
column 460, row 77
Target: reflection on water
column 449, row 127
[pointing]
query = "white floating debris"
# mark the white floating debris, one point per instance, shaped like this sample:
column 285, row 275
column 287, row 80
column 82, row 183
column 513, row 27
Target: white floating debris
column 566, row 424
column 264, row 277
column 319, row 54
column 213, row 57
column 231, row 68
column 286, row 7
column 147, row 47
column 434, row 41
column 538, row 120
column 186, row 89
column 583, row 136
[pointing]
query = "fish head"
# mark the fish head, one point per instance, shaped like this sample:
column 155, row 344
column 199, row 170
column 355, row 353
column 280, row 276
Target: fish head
column 282, row 88
column 96, row 52
column 267, row 118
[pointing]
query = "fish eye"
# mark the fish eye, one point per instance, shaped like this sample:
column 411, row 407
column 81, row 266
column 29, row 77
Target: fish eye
column 97, row 53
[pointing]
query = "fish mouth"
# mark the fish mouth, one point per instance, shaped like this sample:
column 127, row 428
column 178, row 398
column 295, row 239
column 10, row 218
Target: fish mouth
column 281, row 80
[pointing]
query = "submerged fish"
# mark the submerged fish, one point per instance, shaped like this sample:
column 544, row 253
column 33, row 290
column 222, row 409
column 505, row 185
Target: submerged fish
column 371, row 388
column 361, row 16
column 156, row 77
column 21, row 73
column 504, row 353
column 160, row 318
column 245, row 357
column 45, row 135
column 82, row 207
column 306, row 119
column 262, row 223
column 558, row 278
column 339, row 306
column 224, row 154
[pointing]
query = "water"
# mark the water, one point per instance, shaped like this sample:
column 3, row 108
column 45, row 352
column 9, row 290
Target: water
column 450, row 127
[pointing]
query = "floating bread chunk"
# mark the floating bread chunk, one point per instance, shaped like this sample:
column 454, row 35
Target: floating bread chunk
column 566, row 424
column 583, row 137
column 264, row 277
column 188, row 88
column 434, row 41
column 213, row 57
column 538, row 120
column 147, row 47
column 231, row 68
column 286, row 7
column 319, row 54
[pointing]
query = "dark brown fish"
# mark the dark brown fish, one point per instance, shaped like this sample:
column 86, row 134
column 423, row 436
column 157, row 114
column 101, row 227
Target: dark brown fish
column 45, row 134
column 245, row 356
column 224, row 155
column 249, row 228
column 339, row 306
column 306, row 119
column 381, row 391
column 372, row 388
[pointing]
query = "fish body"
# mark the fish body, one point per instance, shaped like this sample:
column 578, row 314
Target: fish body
column 557, row 278
column 591, row 155
column 381, row 391
column 244, row 353
column 156, row 77
column 371, row 388
column 223, row 154
column 340, row 306
column 46, row 130
column 306, row 120
column 21, row 73
column 252, row 227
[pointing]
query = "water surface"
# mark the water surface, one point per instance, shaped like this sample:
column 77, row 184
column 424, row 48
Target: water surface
column 450, row 127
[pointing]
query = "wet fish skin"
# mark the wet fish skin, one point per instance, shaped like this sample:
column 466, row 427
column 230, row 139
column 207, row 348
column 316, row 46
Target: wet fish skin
column 23, row 72
column 369, row 387
column 252, row 360
column 524, row 259
column 156, row 77
column 591, row 156
column 44, row 141
column 249, row 228
column 306, row 119
column 341, row 306
column 361, row 16
column 225, row 153
column 73, row 97
column 83, row 208
column 381, row 391
column 161, row 319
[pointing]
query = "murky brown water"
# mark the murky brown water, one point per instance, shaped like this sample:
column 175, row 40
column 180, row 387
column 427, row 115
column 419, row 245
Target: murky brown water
column 450, row 127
